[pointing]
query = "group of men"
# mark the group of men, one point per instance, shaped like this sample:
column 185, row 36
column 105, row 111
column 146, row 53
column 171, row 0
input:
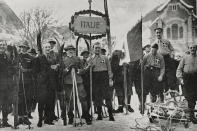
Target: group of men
column 162, row 72
column 47, row 76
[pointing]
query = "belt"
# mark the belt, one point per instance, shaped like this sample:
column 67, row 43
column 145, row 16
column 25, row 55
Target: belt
column 152, row 68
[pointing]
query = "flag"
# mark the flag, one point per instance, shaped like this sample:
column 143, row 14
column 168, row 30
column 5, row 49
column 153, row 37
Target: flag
column 134, row 41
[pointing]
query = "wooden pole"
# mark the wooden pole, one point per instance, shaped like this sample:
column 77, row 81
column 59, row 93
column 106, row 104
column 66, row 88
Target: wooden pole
column 125, row 87
column 91, row 107
column 108, row 30
column 142, row 78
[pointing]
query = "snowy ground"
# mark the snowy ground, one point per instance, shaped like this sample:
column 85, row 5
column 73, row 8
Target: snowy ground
column 123, row 123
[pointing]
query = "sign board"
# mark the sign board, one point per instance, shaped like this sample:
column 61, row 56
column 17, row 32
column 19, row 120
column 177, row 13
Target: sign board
column 87, row 25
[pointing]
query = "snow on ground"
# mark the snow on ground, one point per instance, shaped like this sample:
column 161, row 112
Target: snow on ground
column 123, row 123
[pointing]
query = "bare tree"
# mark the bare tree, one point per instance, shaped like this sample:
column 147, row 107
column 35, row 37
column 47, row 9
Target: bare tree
column 34, row 21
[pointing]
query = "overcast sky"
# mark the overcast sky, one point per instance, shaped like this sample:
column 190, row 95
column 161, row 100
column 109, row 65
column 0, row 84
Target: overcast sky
column 123, row 13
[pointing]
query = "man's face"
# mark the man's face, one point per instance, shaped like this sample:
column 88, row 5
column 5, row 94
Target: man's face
column 159, row 33
column 97, row 49
column 3, row 46
column 23, row 49
column 192, row 49
column 147, row 49
column 71, row 53
column 153, row 51
column 47, row 48
column 85, row 56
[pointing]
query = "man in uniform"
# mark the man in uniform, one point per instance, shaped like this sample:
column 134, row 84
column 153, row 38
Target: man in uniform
column 102, row 80
column 147, row 49
column 187, row 74
column 25, row 84
column 167, row 51
column 70, row 62
column 154, row 69
column 6, row 84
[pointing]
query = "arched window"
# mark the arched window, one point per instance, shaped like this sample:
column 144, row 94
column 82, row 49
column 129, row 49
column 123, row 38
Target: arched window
column 168, row 33
column 174, row 31
column 181, row 32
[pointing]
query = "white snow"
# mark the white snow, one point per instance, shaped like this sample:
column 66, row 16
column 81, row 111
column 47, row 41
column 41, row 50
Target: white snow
column 123, row 122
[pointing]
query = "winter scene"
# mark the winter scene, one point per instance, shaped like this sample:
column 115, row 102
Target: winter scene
column 98, row 65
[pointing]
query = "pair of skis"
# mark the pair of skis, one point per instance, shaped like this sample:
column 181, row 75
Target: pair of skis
column 76, row 100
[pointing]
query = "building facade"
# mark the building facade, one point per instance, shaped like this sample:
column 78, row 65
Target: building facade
column 178, row 19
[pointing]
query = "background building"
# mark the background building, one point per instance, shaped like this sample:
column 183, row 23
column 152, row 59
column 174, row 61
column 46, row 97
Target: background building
column 178, row 19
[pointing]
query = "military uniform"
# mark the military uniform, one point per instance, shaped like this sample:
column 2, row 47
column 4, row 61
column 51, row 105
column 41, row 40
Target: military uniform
column 187, row 70
column 100, row 83
column 166, row 50
column 154, row 66
column 7, row 84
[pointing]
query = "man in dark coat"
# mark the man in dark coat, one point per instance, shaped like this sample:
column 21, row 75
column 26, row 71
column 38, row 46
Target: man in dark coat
column 45, row 67
column 7, row 71
column 25, row 84
column 118, row 79
column 86, row 76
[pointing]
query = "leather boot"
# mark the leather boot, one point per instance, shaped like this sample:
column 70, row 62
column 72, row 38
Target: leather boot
column 119, row 110
column 111, row 117
column 99, row 111
column 5, row 124
column 193, row 118
column 39, row 123
column 130, row 109
column 26, row 121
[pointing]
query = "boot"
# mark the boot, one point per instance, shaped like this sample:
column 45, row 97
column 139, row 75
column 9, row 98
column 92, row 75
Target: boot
column 26, row 121
column 20, row 121
column 39, row 123
column 192, row 118
column 88, row 118
column 64, row 122
column 0, row 123
column 30, row 116
column 130, row 109
column 119, row 110
column 5, row 124
column 48, row 122
column 99, row 111
column 70, row 121
column 111, row 117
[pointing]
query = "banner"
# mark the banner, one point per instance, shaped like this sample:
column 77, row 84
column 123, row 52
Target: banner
column 134, row 41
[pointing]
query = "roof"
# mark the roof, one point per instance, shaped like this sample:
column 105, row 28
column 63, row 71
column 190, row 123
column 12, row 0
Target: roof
column 181, row 1
column 12, row 18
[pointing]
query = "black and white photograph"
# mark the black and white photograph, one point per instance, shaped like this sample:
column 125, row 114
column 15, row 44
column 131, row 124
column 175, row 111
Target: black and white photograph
column 98, row 65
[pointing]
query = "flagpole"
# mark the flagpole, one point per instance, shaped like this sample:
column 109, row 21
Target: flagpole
column 108, row 30
column 142, row 79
